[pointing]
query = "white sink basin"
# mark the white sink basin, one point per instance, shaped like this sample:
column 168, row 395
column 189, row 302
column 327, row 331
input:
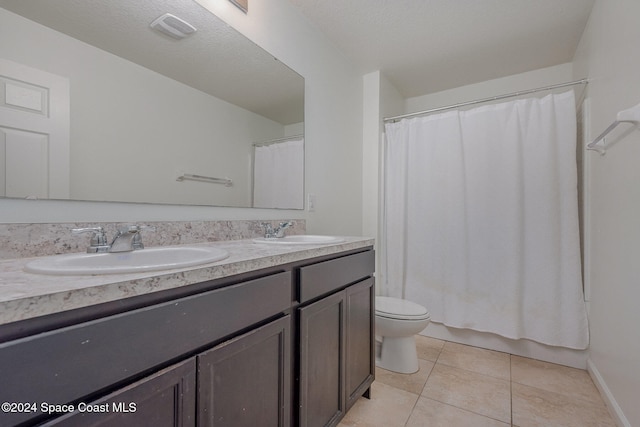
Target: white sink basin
column 303, row 239
column 151, row 259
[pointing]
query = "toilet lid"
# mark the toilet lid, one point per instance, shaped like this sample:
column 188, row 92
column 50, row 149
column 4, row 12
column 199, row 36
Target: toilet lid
column 400, row 309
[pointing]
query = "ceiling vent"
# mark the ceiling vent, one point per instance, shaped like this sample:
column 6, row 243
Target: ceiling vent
column 173, row 26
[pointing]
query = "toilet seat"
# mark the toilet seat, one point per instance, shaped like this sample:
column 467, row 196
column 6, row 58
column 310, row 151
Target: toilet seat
column 395, row 308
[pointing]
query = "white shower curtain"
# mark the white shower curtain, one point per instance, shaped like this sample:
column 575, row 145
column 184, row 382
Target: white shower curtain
column 278, row 175
column 481, row 219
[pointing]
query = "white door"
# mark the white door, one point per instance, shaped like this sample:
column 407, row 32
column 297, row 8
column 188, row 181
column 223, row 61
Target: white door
column 34, row 133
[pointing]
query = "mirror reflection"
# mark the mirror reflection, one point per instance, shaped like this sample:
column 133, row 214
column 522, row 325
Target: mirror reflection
column 97, row 105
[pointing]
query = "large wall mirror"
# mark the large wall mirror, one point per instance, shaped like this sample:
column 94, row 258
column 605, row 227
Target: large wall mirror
column 97, row 105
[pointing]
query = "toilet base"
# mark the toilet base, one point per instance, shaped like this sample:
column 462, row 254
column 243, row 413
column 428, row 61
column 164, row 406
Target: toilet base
column 398, row 354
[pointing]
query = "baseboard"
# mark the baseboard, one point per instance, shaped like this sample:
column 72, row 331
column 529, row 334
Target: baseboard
column 607, row 396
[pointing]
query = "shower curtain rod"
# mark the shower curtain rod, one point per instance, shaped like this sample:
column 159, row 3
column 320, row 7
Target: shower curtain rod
column 275, row 141
column 480, row 101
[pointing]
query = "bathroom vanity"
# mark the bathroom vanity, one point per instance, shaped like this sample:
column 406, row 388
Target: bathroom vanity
column 276, row 336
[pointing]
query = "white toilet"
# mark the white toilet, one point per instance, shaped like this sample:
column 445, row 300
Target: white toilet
column 397, row 321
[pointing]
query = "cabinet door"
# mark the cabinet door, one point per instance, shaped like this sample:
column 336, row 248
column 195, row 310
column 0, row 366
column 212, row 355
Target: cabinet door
column 322, row 353
column 165, row 399
column 360, row 359
column 245, row 382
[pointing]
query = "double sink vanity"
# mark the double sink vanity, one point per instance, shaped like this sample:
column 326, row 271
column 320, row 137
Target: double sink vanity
column 229, row 333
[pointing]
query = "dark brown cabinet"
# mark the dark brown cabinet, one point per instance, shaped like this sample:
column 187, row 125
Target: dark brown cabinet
column 245, row 382
column 291, row 345
column 164, row 399
column 322, row 362
column 71, row 364
column 336, row 338
column 360, row 326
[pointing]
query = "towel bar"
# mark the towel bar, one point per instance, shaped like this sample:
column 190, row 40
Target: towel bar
column 191, row 177
column 631, row 115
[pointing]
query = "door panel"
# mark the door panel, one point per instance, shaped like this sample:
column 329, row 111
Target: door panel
column 322, row 353
column 34, row 132
column 164, row 399
column 245, row 382
column 360, row 357
column 26, row 164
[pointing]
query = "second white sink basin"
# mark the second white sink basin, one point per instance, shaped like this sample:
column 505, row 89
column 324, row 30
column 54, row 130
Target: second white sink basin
column 151, row 259
column 303, row 239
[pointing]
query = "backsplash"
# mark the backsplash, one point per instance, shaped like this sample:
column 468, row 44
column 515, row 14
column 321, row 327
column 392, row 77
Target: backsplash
column 30, row 240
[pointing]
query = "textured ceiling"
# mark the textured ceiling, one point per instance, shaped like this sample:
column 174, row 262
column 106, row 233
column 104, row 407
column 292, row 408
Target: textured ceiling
column 425, row 46
column 422, row 46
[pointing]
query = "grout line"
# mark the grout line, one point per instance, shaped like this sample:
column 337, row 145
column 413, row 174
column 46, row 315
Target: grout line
column 465, row 410
column 455, row 367
column 413, row 408
column 565, row 395
column 425, row 384
column 471, row 370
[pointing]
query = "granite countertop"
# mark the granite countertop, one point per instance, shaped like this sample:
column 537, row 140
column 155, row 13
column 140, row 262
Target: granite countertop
column 26, row 295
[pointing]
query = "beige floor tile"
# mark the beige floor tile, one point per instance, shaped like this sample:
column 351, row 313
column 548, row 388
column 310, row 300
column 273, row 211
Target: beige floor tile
column 480, row 360
column 429, row 413
column 388, row 407
column 571, row 382
column 471, row 391
column 413, row 383
column 533, row 407
column 428, row 348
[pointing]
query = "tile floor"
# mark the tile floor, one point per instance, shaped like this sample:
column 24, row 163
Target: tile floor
column 459, row 386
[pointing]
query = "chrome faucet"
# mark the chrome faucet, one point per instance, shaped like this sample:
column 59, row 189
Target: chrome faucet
column 275, row 233
column 127, row 238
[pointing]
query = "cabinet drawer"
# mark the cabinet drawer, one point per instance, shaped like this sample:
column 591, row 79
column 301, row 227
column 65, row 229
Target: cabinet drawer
column 70, row 363
column 324, row 277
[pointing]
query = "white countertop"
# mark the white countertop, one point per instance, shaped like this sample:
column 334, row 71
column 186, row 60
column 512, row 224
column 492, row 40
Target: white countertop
column 26, row 295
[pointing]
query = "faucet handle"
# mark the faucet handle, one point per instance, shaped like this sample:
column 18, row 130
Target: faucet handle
column 134, row 228
column 268, row 230
column 98, row 242
column 127, row 228
column 87, row 230
column 279, row 232
column 136, row 243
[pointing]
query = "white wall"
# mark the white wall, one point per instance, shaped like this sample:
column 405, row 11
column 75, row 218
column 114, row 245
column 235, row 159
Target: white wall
column 370, row 152
column 518, row 82
column 333, row 128
column 381, row 100
column 608, row 56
